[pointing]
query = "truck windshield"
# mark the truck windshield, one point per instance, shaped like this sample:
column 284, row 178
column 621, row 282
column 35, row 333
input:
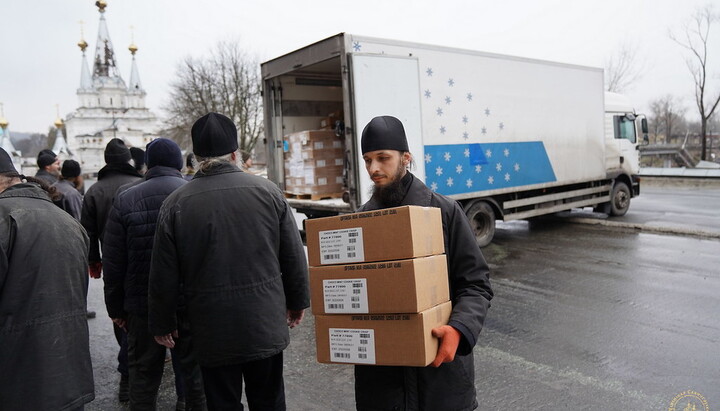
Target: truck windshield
column 624, row 128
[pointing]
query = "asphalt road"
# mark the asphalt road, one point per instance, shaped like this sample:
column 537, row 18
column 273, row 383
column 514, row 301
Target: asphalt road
column 589, row 313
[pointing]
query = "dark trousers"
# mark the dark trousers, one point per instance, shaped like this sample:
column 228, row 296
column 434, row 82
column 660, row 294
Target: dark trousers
column 264, row 385
column 121, row 337
column 146, row 360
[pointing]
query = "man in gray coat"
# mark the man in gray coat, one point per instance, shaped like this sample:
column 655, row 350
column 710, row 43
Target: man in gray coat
column 228, row 245
column 44, row 339
column 449, row 382
column 70, row 180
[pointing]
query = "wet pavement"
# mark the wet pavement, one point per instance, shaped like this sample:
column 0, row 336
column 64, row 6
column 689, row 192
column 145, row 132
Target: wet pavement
column 585, row 317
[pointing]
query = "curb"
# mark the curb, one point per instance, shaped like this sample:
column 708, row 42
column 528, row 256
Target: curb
column 646, row 228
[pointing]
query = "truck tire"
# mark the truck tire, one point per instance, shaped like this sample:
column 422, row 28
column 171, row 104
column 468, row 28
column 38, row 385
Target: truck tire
column 482, row 222
column 620, row 199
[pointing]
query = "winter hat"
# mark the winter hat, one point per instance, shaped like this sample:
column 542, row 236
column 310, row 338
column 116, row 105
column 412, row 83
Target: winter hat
column 163, row 152
column 70, row 169
column 384, row 133
column 138, row 157
column 45, row 160
column 47, row 151
column 214, row 135
column 116, row 152
column 6, row 164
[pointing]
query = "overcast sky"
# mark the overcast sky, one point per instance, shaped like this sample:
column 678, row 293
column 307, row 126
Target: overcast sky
column 40, row 61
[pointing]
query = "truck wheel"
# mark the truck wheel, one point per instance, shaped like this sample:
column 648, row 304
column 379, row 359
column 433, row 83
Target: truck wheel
column 482, row 222
column 620, row 199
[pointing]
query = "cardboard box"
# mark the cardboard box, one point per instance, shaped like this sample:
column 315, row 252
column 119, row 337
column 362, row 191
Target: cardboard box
column 389, row 234
column 380, row 339
column 402, row 286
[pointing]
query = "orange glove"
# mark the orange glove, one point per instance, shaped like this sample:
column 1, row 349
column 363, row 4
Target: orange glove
column 449, row 341
column 94, row 269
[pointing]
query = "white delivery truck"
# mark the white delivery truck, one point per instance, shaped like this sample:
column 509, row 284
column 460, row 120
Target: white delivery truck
column 508, row 137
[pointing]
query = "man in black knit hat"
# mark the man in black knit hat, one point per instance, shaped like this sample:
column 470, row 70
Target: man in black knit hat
column 71, row 200
column 48, row 167
column 227, row 243
column 95, row 209
column 448, row 383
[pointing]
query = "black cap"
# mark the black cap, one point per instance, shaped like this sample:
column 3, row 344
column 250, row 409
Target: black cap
column 45, row 160
column 47, row 151
column 70, row 168
column 6, row 164
column 116, row 152
column 138, row 157
column 214, row 135
column 384, row 133
column 163, row 152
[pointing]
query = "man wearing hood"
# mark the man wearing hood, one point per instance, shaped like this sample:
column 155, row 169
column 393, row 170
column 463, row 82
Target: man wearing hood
column 127, row 248
column 448, row 383
column 95, row 209
column 44, row 339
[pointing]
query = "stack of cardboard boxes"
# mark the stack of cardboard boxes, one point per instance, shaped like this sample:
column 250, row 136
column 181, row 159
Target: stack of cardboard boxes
column 314, row 163
column 378, row 285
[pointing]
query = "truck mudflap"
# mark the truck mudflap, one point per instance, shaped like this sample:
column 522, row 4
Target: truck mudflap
column 635, row 185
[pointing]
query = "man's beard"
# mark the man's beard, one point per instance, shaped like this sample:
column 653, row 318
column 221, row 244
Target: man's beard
column 392, row 194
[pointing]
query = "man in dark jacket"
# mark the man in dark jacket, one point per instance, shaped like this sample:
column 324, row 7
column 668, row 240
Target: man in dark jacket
column 127, row 248
column 48, row 167
column 95, row 209
column 44, row 340
column 448, row 383
column 71, row 199
column 227, row 243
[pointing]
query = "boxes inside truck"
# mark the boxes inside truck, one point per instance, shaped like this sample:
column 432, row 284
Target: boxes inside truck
column 314, row 164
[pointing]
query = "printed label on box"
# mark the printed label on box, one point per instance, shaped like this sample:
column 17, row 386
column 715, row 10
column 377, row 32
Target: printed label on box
column 322, row 181
column 352, row 345
column 345, row 296
column 341, row 246
column 318, row 145
column 320, row 163
column 339, row 161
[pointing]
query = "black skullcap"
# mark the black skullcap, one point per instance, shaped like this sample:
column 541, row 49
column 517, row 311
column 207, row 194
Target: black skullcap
column 116, row 152
column 384, row 133
column 214, row 135
column 45, row 160
column 70, row 169
column 6, row 164
column 138, row 157
column 163, row 152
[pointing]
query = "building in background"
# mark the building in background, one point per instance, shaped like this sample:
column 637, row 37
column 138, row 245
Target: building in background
column 107, row 106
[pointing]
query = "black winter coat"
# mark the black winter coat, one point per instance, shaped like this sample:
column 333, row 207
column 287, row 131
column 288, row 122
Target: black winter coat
column 452, row 385
column 44, row 341
column 128, row 240
column 228, row 242
column 98, row 200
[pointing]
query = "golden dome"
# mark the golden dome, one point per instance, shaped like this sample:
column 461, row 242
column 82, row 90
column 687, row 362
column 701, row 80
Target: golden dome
column 82, row 44
column 133, row 48
column 101, row 4
column 3, row 122
column 58, row 122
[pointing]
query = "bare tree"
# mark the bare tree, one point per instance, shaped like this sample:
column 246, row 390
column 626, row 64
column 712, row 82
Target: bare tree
column 695, row 41
column 226, row 82
column 622, row 69
column 667, row 115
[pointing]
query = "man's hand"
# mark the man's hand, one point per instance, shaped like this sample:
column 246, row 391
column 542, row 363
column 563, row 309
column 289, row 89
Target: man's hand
column 167, row 339
column 120, row 322
column 94, row 269
column 449, row 341
column 295, row 317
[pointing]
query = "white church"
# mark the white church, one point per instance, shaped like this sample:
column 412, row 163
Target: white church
column 107, row 106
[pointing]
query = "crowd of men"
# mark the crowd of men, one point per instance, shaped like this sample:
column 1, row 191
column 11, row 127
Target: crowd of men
column 208, row 264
